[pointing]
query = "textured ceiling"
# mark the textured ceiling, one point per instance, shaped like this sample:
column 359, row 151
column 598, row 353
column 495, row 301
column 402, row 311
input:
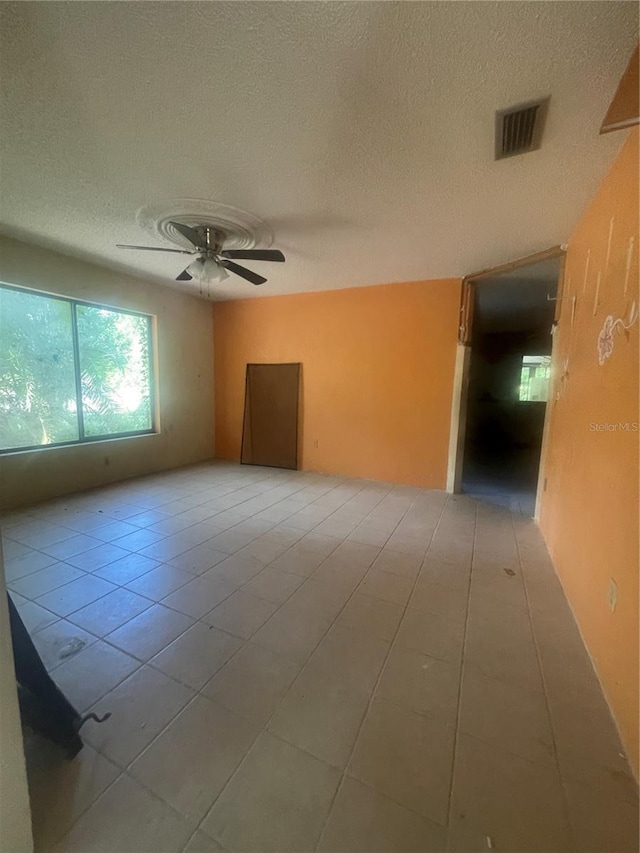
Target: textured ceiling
column 361, row 132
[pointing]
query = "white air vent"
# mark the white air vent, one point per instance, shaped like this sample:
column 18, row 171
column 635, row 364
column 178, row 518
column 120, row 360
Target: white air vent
column 519, row 129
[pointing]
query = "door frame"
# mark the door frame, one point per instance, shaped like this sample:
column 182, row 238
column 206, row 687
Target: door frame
column 458, row 423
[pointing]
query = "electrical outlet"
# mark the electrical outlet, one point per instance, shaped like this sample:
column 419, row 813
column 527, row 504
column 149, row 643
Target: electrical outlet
column 613, row 595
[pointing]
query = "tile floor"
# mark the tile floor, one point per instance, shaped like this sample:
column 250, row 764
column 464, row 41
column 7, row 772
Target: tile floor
column 296, row 662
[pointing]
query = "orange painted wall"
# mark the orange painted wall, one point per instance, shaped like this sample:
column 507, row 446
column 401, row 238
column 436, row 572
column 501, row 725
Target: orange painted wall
column 377, row 375
column 589, row 513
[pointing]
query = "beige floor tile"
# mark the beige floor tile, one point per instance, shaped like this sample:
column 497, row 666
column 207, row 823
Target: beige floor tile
column 513, row 718
column 276, row 779
column 160, row 582
column 438, row 571
column 199, row 596
column 53, row 576
column 144, row 824
column 274, row 585
column 18, row 600
column 32, row 561
column 331, row 529
column 491, row 555
column 83, row 520
column 271, row 545
column 516, row 803
column 91, row 673
column 206, row 743
column 339, row 574
column 241, row 614
column 71, row 547
column 199, row 559
column 238, row 537
column 96, row 558
column 588, row 744
column 601, row 822
column 150, row 632
column 499, row 642
column 253, row 682
column 398, row 563
column 292, row 633
column 40, row 534
column 435, row 635
column 60, row 641
column 34, row 616
column 406, row 756
column 126, row 569
column 356, row 553
column 200, row 842
column 371, row 617
column 308, row 518
column 12, row 550
column 364, row 821
column 321, row 599
column 236, row 570
column 413, row 545
column 421, row 683
column 499, row 585
column 140, row 707
column 139, row 539
column 439, row 599
column 346, row 655
column 321, row 715
column 72, row 596
column 114, row 530
column 464, row 836
column 110, row 612
column 303, row 563
column 196, row 656
column 366, row 535
column 166, row 548
column 60, row 790
column 316, row 543
column 387, row 586
column 546, row 596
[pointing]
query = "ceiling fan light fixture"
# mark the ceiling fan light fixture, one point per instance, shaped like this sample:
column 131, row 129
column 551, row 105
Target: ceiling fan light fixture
column 213, row 271
column 207, row 270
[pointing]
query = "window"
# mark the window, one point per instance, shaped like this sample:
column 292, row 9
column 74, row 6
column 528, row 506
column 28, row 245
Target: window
column 534, row 378
column 71, row 371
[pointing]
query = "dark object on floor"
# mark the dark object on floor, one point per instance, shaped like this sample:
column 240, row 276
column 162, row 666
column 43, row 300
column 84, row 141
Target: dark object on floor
column 92, row 716
column 43, row 706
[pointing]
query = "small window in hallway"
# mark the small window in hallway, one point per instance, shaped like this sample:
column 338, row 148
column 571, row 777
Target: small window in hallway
column 534, row 378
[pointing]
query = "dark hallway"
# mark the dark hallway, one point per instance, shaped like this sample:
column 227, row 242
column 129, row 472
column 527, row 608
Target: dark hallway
column 508, row 380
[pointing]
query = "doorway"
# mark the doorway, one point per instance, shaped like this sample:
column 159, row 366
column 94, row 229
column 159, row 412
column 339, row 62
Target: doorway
column 508, row 316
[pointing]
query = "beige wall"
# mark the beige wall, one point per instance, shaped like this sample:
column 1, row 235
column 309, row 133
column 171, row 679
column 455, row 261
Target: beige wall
column 15, row 811
column 184, row 382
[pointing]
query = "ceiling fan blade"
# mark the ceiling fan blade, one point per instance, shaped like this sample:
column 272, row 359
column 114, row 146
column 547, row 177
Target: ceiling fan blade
column 184, row 276
column 255, row 254
column 154, row 249
column 243, row 272
column 191, row 235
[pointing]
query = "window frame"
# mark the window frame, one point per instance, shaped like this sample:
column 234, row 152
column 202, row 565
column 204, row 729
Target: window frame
column 535, row 366
column 84, row 439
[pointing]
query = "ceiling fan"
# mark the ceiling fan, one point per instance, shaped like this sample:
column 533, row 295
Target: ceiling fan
column 213, row 261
